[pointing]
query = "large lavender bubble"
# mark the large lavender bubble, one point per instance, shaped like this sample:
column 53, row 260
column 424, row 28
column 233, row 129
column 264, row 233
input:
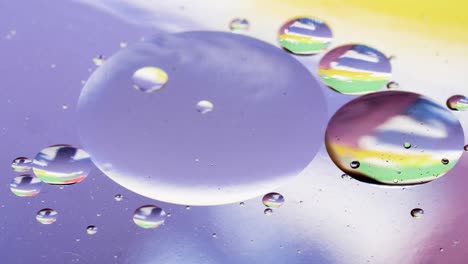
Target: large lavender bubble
column 267, row 126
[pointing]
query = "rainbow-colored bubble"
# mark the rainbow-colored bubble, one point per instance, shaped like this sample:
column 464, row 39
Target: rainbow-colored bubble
column 239, row 25
column 305, row 36
column 458, row 103
column 273, row 200
column 354, row 69
column 149, row 216
column 46, row 216
column 149, row 79
column 21, row 164
column 26, row 186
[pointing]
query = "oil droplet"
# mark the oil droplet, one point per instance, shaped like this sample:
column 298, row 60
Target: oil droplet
column 268, row 211
column 91, row 230
column 445, row 161
column 273, row 200
column 355, row 164
column 62, row 165
column 393, row 85
column 407, row 145
column 238, row 25
column 149, row 216
column 305, row 36
column 26, row 186
column 377, row 139
column 417, row 213
column 458, row 103
column 118, row 197
column 46, row 216
column 354, row 69
column 149, row 79
column 21, row 164
column 204, row 106
column 99, row 60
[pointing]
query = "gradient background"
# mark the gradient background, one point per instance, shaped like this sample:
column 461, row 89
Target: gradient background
column 338, row 220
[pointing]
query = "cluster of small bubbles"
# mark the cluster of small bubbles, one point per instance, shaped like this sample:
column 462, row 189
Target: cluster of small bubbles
column 26, row 186
column 407, row 145
column 445, row 161
column 21, row 164
column 149, row 216
column 99, row 60
column 393, row 85
column 355, row 164
column 149, row 79
column 91, row 230
column 204, row 106
column 239, row 25
column 46, row 216
column 268, row 211
column 305, row 36
column 273, row 200
column 417, row 213
column 62, row 165
column 354, row 69
column 458, row 103
column 118, row 197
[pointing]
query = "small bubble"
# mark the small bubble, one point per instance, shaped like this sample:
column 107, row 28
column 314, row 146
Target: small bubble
column 355, row 164
column 214, row 235
column 26, row 186
column 149, row 216
column 299, row 252
column 458, row 103
column 344, row 176
column 417, row 213
column 99, row 60
column 441, row 249
column 407, row 145
column 466, row 147
column 46, row 216
column 239, row 25
column 273, row 200
column 393, row 85
column 118, row 197
column 268, row 211
column 187, row 207
column 395, row 180
column 123, row 44
column 204, row 106
column 21, row 164
column 149, row 79
column 242, row 204
column 91, row 230
column 445, row 161
column 64, row 106
column 169, row 214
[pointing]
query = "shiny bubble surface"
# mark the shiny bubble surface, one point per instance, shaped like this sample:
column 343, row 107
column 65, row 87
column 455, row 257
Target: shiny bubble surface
column 354, row 69
column 91, row 230
column 417, row 213
column 149, row 79
column 371, row 128
column 46, row 216
column 26, row 186
column 458, row 103
column 62, row 165
column 204, row 106
column 465, row 148
column 149, row 216
column 305, row 36
column 186, row 166
column 21, row 164
column 273, row 200
column 268, row 211
column 393, row 85
column 239, row 25
column 118, row 197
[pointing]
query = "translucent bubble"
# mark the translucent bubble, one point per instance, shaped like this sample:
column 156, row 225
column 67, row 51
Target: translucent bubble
column 187, row 207
column 354, row 69
column 62, row 165
column 407, row 145
column 91, row 230
column 242, row 204
column 149, row 79
column 465, row 148
column 268, row 211
column 393, row 85
column 204, row 107
column 21, row 164
column 371, row 128
column 458, row 103
column 214, row 235
column 248, row 122
column 46, row 216
column 273, row 200
column 99, row 60
column 417, row 213
column 305, row 35
column 118, row 197
column 149, row 216
column 354, row 164
column 26, row 186
column 445, row 161
column 239, row 25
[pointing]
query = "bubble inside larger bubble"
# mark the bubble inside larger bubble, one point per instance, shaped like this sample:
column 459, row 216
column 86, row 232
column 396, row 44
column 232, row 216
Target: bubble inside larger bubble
column 371, row 129
column 267, row 126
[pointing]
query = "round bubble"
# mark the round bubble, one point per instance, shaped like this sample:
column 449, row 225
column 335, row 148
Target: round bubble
column 91, row 230
column 159, row 146
column 46, row 216
column 118, row 197
column 458, row 103
column 393, row 85
column 239, row 25
column 62, row 165
column 417, row 213
column 26, row 186
column 465, row 148
column 268, row 211
column 21, row 164
column 305, row 36
column 149, row 79
column 149, row 216
column 205, row 106
column 371, row 129
column 354, row 69
column 273, row 200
